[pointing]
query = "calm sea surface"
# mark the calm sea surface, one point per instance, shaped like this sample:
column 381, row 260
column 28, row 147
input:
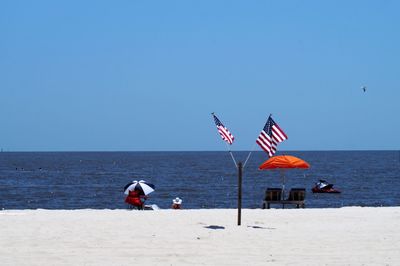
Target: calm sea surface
column 76, row 180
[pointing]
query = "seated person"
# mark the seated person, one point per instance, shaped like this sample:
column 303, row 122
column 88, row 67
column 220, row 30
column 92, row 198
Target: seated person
column 176, row 203
column 135, row 199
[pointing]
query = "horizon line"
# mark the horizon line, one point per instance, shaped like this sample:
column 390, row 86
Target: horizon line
column 279, row 152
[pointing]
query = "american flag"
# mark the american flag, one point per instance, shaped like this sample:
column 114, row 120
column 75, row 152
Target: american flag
column 270, row 136
column 223, row 131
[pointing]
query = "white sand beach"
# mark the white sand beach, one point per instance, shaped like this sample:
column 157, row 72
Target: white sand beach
column 345, row 236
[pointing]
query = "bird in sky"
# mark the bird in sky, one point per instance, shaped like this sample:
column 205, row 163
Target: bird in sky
column 364, row 88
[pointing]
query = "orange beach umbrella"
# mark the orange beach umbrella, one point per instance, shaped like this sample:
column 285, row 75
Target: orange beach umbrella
column 284, row 162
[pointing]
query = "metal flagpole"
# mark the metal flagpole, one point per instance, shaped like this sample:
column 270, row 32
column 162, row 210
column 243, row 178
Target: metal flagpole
column 248, row 156
column 230, row 152
column 239, row 167
column 239, row 221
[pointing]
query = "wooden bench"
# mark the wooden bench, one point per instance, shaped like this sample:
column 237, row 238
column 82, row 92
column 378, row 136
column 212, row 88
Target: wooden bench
column 274, row 196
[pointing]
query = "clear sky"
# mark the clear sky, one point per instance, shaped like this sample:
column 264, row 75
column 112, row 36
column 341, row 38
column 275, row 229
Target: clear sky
column 145, row 75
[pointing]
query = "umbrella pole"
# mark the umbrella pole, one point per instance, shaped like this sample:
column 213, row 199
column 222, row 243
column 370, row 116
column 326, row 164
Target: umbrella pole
column 283, row 184
column 240, row 167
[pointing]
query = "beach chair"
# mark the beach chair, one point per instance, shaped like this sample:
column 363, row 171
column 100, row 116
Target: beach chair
column 297, row 196
column 272, row 195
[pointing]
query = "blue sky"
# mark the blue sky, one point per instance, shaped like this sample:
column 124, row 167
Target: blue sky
column 145, row 75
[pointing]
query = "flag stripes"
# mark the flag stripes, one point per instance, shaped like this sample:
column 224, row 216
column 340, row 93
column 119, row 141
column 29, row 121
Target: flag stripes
column 270, row 136
column 223, row 131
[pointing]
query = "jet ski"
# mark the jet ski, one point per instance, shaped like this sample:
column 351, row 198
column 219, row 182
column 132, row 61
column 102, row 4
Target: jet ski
column 323, row 186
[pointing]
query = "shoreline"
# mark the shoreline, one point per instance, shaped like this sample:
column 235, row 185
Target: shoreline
column 331, row 236
column 274, row 207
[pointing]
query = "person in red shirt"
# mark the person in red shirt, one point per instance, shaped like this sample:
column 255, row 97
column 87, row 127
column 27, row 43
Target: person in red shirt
column 135, row 199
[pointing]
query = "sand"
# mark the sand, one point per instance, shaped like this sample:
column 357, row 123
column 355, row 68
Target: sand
column 345, row 236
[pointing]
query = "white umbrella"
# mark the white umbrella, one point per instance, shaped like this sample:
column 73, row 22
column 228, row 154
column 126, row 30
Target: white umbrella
column 141, row 185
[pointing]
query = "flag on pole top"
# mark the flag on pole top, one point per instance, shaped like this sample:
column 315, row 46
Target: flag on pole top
column 223, row 131
column 270, row 136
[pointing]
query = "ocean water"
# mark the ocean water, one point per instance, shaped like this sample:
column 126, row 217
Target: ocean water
column 95, row 180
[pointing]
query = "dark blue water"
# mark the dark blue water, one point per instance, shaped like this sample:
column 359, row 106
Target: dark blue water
column 75, row 180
